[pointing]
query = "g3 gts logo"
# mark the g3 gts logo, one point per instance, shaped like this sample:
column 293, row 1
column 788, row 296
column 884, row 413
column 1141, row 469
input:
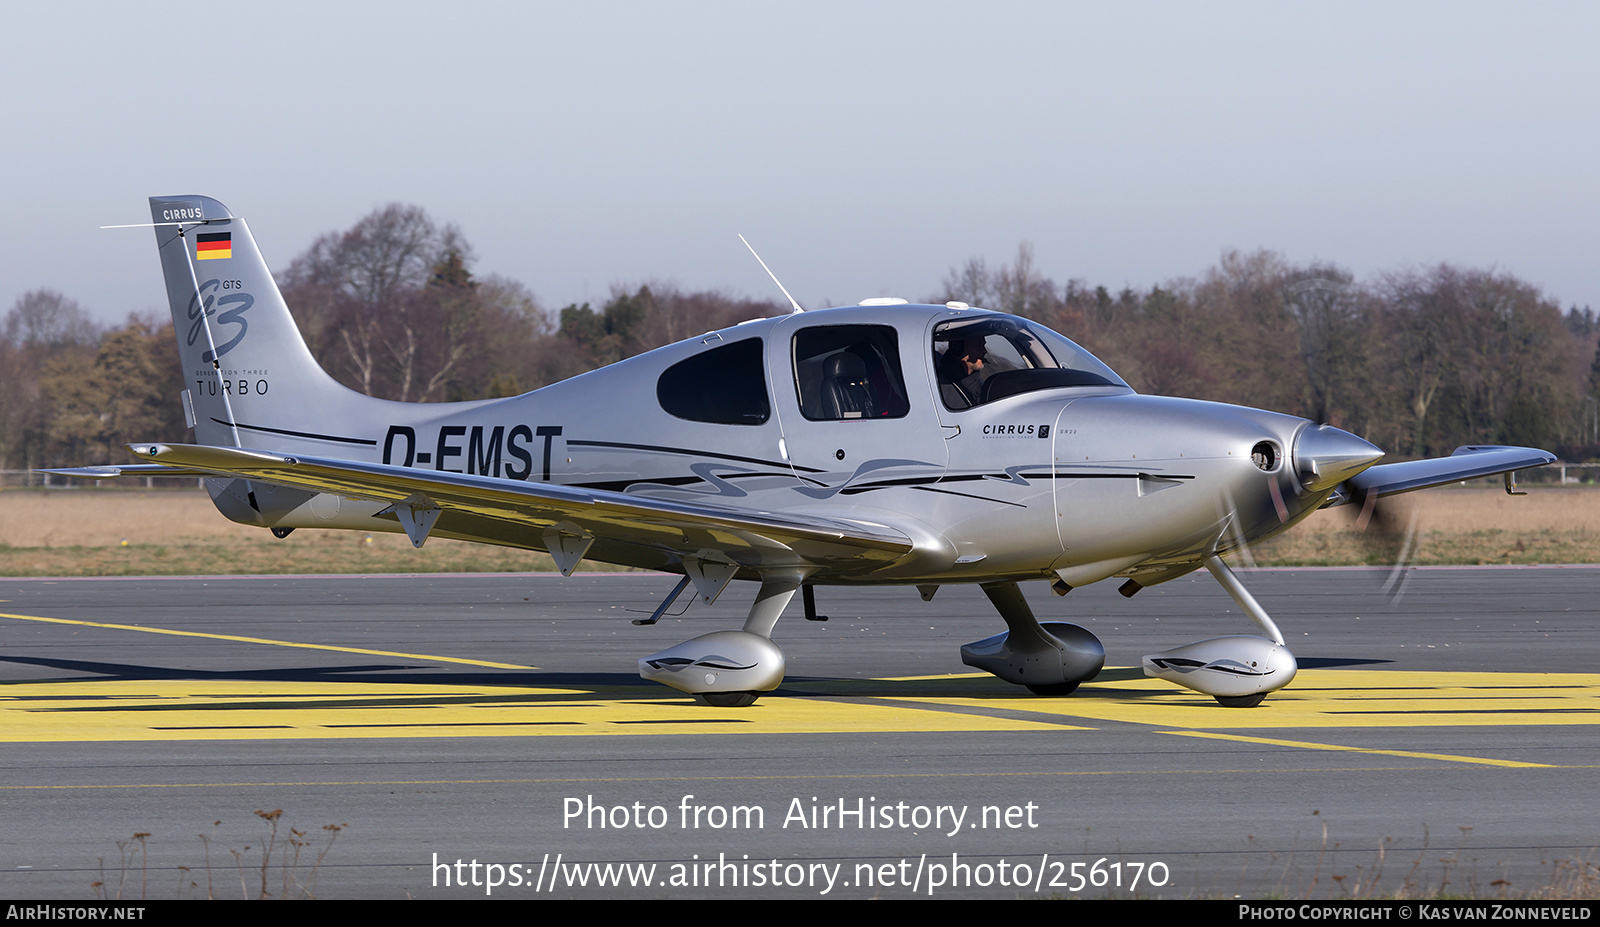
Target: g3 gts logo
column 234, row 316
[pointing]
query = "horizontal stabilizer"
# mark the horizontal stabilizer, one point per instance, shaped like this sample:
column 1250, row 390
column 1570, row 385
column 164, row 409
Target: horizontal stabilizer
column 1469, row 462
column 111, row 472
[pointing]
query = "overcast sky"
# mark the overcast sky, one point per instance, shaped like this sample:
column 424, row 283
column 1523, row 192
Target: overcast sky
column 864, row 148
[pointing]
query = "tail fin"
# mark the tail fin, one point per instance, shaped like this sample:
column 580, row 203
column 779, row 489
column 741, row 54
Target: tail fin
column 252, row 382
column 248, row 373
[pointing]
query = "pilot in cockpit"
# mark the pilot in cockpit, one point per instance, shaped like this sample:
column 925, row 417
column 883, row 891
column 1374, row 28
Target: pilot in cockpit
column 961, row 372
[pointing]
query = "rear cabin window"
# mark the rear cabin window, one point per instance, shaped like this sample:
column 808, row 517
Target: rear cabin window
column 726, row 385
column 844, row 372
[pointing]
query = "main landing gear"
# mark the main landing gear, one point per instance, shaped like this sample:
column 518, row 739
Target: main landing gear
column 1050, row 658
column 729, row 669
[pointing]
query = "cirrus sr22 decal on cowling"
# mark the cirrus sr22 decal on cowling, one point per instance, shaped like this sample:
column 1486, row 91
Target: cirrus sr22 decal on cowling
column 877, row 444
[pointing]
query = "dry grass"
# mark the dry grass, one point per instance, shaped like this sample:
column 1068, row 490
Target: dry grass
column 109, row 532
column 290, row 864
column 123, row 532
column 1476, row 525
column 1425, row 873
column 106, row 517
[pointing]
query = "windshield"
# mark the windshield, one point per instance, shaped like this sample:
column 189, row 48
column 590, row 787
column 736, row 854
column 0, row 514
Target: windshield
column 989, row 357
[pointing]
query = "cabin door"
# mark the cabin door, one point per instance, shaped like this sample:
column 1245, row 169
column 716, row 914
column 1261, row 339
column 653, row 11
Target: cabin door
column 852, row 425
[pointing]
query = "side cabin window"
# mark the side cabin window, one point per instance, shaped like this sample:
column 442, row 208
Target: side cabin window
column 726, row 385
column 990, row 357
column 844, row 372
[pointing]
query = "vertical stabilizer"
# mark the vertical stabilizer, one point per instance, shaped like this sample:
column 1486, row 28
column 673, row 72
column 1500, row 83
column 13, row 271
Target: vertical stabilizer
column 247, row 369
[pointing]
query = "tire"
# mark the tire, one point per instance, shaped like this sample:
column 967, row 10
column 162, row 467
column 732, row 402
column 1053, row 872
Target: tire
column 1055, row 689
column 1241, row 701
column 730, row 699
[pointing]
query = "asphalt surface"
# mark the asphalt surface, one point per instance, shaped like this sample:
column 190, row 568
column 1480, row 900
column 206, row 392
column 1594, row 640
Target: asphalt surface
column 1443, row 739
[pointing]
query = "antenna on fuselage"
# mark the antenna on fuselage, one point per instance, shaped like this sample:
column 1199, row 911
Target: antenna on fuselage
column 771, row 274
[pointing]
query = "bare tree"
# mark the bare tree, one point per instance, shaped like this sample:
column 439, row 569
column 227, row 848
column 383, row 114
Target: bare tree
column 1021, row 290
column 1482, row 358
column 970, row 284
column 363, row 299
column 46, row 318
column 1322, row 298
column 1018, row 288
column 41, row 328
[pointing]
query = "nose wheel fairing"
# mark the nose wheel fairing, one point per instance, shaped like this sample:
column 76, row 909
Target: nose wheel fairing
column 1237, row 671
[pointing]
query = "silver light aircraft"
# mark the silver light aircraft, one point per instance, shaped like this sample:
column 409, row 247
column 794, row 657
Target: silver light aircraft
column 884, row 443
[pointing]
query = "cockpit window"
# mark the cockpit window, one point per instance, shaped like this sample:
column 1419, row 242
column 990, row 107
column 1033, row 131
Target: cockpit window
column 726, row 385
column 849, row 372
column 989, row 357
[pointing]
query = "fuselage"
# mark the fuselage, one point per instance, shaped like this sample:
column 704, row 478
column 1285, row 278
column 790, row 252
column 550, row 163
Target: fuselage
column 1055, row 468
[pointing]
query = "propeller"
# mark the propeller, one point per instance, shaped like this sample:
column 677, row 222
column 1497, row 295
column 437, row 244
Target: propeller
column 1326, row 457
column 1389, row 531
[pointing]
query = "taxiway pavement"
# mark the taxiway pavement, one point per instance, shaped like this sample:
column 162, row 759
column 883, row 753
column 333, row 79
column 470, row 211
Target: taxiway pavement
column 1444, row 736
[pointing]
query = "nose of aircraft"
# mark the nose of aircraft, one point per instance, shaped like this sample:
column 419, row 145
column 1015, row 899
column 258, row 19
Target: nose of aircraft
column 1325, row 456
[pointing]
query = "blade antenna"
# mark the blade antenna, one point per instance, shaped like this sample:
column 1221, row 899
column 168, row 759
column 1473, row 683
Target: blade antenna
column 157, row 225
column 772, row 275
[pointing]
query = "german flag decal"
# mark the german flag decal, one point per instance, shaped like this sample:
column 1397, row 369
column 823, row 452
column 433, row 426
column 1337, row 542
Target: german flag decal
column 213, row 246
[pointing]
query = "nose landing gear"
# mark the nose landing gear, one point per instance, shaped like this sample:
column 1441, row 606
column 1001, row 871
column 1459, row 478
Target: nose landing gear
column 1237, row 671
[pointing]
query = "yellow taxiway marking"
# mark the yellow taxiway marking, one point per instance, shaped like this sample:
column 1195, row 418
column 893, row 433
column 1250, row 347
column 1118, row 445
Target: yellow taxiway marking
column 1325, row 699
column 210, row 709
column 266, row 640
column 104, row 710
column 1410, row 754
column 242, row 710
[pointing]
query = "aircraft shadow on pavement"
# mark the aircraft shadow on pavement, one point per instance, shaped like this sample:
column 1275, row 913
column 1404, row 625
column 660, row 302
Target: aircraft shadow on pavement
column 582, row 686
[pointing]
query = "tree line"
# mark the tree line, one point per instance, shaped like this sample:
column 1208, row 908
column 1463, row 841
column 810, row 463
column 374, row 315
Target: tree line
column 1418, row 361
